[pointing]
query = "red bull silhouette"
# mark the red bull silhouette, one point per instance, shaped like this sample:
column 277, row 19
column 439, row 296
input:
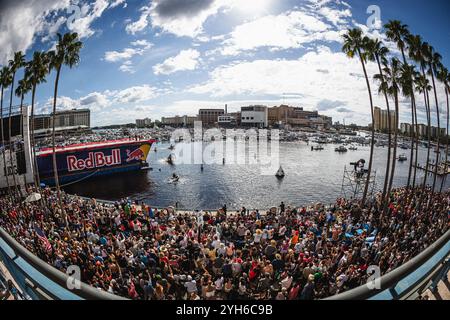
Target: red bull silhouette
column 137, row 155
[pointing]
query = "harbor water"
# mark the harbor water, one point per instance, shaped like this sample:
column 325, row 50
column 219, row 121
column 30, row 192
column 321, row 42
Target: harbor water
column 311, row 177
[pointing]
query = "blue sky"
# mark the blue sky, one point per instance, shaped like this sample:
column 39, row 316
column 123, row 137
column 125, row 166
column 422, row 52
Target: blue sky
column 156, row 58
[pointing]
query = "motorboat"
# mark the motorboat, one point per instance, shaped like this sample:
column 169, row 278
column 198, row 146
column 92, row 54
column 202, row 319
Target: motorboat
column 402, row 158
column 341, row 149
column 316, row 148
column 352, row 148
column 280, row 173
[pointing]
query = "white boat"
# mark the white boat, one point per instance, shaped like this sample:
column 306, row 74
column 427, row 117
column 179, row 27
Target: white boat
column 352, row 148
column 402, row 157
column 280, row 173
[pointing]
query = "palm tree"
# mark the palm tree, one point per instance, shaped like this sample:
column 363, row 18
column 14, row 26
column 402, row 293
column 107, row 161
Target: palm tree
column 15, row 64
column 67, row 53
column 399, row 33
column 5, row 81
column 377, row 52
column 417, row 52
column 423, row 87
column 444, row 77
column 409, row 72
column 355, row 44
column 392, row 78
column 37, row 70
column 23, row 87
column 433, row 60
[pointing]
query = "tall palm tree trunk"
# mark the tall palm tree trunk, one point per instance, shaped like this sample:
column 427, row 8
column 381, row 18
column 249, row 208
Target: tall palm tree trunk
column 55, row 166
column 372, row 144
column 388, row 162
column 438, row 132
column 36, row 177
column 3, row 143
column 444, row 179
column 416, row 137
column 16, row 187
column 394, row 153
column 412, row 123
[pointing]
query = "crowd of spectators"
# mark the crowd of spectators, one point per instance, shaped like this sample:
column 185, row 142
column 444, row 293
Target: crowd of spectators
column 140, row 252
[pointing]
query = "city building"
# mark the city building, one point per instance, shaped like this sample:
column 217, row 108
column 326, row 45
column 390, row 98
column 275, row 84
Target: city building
column 297, row 117
column 179, row 121
column 254, row 116
column 142, row 123
column 382, row 119
column 42, row 121
column 405, row 128
column 73, row 118
column 209, row 117
column 226, row 120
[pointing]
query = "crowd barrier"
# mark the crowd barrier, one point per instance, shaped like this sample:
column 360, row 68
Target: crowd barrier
column 40, row 281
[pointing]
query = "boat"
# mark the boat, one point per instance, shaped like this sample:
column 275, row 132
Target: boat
column 81, row 161
column 280, row 173
column 171, row 147
column 341, row 149
column 316, row 148
column 402, row 158
column 352, row 148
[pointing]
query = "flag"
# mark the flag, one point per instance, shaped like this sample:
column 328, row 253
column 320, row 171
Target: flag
column 44, row 241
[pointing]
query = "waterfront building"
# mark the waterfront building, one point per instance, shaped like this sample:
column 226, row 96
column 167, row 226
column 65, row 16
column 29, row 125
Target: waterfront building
column 382, row 119
column 142, row 123
column 209, row 117
column 405, row 128
column 297, row 117
column 226, row 120
column 73, row 118
column 254, row 116
column 179, row 121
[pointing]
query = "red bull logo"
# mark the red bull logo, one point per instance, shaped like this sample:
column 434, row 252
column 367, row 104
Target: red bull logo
column 93, row 161
column 135, row 155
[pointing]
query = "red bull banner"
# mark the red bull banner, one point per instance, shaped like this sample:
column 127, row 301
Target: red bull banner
column 94, row 160
column 100, row 158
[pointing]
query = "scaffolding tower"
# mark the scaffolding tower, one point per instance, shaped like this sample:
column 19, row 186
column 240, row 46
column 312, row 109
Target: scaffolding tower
column 353, row 183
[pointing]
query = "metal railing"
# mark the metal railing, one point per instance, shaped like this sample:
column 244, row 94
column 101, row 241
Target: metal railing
column 397, row 280
column 434, row 256
column 59, row 279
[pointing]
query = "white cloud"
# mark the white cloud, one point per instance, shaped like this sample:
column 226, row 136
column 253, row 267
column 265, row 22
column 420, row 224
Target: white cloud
column 20, row 21
column 314, row 76
column 141, row 23
column 89, row 13
column 179, row 17
column 125, row 56
column 285, row 31
column 185, row 60
column 127, row 53
column 115, row 3
column 135, row 94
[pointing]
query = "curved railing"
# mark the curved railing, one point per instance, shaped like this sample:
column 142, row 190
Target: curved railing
column 41, row 280
column 46, row 282
column 408, row 279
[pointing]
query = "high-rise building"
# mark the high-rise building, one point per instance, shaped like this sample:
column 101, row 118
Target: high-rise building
column 73, row 118
column 382, row 119
column 142, row 123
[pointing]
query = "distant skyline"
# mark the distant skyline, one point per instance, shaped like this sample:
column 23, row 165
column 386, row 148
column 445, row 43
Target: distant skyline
column 159, row 58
